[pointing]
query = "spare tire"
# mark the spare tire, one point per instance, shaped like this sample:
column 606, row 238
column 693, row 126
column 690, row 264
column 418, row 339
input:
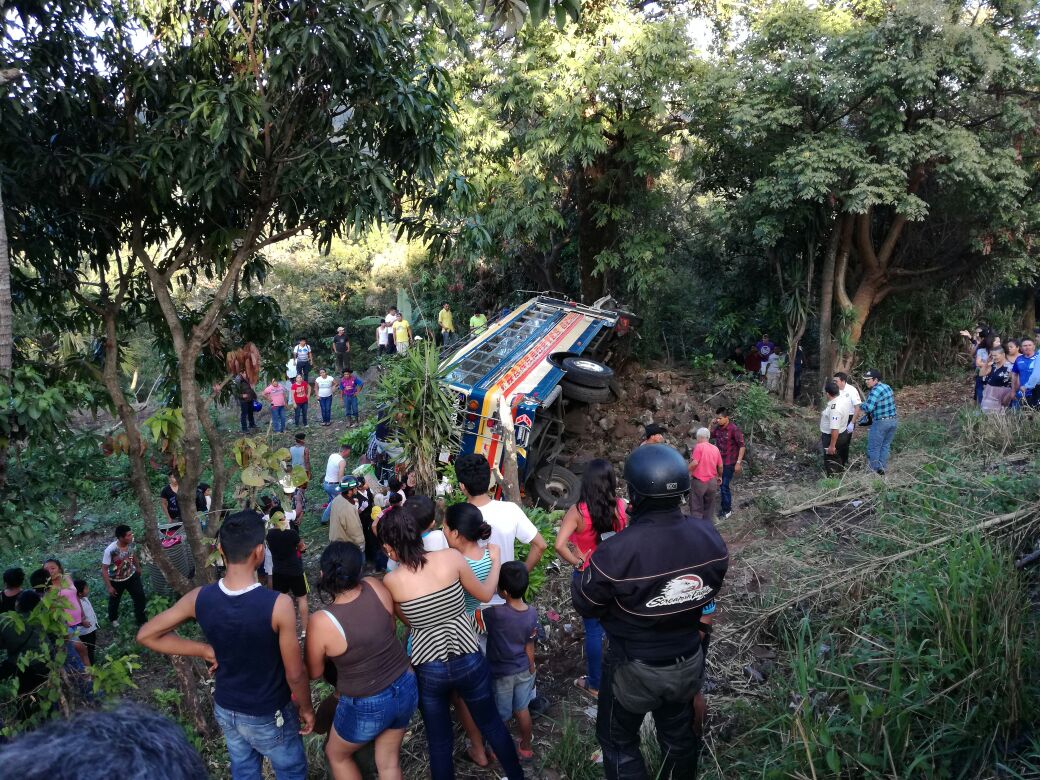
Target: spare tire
column 589, row 395
column 556, row 487
column 588, row 372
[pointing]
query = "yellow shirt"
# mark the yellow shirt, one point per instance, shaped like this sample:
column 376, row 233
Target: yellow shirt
column 401, row 331
column 478, row 323
column 445, row 320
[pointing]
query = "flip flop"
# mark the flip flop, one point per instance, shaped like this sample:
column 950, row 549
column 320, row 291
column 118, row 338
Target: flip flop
column 525, row 755
column 582, row 685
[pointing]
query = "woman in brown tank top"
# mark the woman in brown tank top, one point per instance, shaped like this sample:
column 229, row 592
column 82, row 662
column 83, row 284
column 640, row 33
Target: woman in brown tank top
column 377, row 689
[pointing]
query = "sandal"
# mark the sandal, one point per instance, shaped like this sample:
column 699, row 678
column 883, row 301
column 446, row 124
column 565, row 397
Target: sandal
column 582, row 684
column 525, row 755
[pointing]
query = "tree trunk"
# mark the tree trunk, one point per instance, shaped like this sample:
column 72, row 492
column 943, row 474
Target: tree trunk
column 590, row 235
column 841, row 236
column 6, row 324
column 216, row 451
column 510, row 470
column 137, row 447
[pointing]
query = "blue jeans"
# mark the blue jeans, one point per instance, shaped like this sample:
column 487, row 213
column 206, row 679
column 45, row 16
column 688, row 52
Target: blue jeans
column 725, row 496
column 360, row 719
column 250, row 738
column 469, row 675
column 278, row 418
column 301, row 411
column 331, row 490
column 326, row 409
column 593, row 648
column 879, row 441
column 245, row 417
column 979, row 387
column 350, row 406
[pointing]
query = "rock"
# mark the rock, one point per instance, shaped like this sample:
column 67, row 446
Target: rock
column 665, row 387
column 607, row 422
column 654, row 400
column 719, row 382
column 645, row 417
column 651, row 380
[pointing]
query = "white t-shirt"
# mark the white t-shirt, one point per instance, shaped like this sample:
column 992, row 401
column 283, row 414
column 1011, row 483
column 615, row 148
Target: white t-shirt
column 325, row 385
column 389, row 319
column 835, row 414
column 851, row 394
column 508, row 524
column 302, row 353
column 88, row 615
column 332, row 467
column 435, row 540
column 383, row 336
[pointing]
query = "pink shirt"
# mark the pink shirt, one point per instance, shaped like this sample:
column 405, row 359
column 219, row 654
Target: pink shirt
column 277, row 393
column 708, row 458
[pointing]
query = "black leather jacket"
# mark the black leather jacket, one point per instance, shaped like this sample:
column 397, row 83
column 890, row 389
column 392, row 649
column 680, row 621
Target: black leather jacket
column 648, row 584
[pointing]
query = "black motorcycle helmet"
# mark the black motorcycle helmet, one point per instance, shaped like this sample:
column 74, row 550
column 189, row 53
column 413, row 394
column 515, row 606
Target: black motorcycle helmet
column 659, row 472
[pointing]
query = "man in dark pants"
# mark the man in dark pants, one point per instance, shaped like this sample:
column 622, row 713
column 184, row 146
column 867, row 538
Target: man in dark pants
column 122, row 574
column 341, row 349
column 834, row 434
column 648, row 586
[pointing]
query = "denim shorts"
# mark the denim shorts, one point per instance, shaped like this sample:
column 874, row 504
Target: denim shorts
column 513, row 693
column 360, row 719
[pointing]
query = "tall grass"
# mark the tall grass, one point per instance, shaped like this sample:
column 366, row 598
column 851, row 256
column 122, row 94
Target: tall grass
column 931, row 679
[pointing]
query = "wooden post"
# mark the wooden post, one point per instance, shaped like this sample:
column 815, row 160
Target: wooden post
column 510, row 469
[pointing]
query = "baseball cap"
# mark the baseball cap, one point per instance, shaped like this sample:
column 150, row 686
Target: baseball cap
column 349, row 483
column 872, row 373
column 653, row 429
column 340, row 328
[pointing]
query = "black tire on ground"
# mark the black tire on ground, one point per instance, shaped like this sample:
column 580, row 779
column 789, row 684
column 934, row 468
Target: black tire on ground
column 556, row 487
column 590, row 395
column 587, row 372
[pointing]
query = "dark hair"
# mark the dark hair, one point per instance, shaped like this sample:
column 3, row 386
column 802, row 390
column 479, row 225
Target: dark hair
column 122, row 530
column 399, row 532
column 474, row 473
column 394, row 483
column 344, row 446
column 986, row 342
column 239, row 535
column 26, row 602
column 1016, row 342
column 13, row 578
column 468, row 521
column 722, row 411
column 599, row 495
column 39, row 579
column 423, row 510
column 341, row 564
column 202, row 487
column 301, row 436
column 94, row 737
column 513, row 579
column 394, row 499
column 831, row 388
column 842, row 376
column 81, row 585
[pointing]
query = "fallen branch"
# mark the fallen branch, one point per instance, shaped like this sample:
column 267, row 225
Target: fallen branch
column 874, row 566
column 821, row 501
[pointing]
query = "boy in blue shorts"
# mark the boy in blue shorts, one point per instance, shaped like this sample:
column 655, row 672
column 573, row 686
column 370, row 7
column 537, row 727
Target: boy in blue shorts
column 512, row 629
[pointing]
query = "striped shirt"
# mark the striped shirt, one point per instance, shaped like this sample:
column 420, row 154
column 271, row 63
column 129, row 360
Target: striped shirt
column 482, row 568
column 881, row 402
column 440, row 626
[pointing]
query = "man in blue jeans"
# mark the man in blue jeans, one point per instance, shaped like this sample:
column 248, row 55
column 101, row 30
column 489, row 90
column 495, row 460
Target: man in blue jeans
column 880, row 405
column 254, row 652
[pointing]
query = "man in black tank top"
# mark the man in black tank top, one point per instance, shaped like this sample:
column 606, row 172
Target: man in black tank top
column 254, row 652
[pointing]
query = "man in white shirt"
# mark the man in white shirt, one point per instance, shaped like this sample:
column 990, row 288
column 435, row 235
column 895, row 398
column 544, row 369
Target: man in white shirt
column 335, row 468
column 851, row 394
column 507, row 520
column 834, row 434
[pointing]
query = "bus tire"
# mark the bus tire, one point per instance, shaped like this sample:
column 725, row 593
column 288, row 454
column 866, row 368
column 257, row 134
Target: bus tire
column 556, row 487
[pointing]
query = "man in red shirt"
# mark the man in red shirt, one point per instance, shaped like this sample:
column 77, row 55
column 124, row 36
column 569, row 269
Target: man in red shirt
column 730, row 440
column 706, row 473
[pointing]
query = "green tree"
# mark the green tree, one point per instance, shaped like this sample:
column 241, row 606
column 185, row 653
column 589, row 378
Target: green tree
column 901, row 127
column 565, row 134
column 237, row 126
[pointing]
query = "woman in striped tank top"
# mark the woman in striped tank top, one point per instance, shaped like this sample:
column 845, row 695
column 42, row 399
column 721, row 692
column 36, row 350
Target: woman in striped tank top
column 465, row 528
column 428, row 589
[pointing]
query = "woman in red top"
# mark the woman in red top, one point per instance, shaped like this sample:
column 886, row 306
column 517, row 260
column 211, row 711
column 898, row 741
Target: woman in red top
column 301, row 393
column 598, row 514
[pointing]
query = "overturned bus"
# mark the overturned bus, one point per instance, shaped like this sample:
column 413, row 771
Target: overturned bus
column 542, row 357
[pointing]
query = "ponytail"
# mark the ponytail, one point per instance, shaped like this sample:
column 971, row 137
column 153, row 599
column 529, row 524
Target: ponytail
column 468, row 521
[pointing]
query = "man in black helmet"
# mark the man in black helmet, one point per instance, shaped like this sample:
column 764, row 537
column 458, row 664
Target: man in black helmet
column 647, row 586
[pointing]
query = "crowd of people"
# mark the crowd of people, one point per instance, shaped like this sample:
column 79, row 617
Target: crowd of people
column 1004, row 370
column 450, row 576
